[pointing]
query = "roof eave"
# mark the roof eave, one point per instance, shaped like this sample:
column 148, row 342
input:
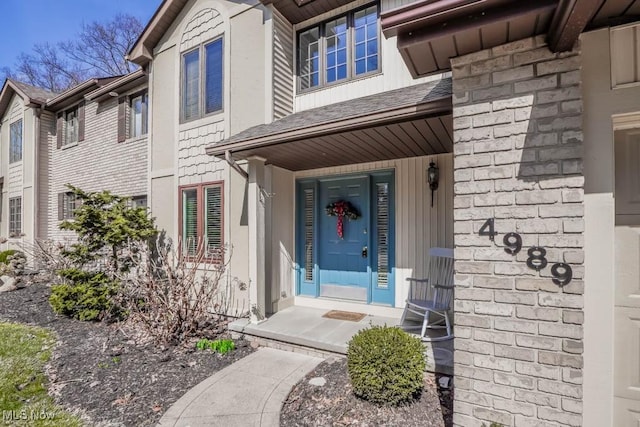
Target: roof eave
column 136, row 78
column 441, row 105
column 70, row 94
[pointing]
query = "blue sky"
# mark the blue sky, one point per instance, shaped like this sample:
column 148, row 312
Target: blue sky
column 27, row 22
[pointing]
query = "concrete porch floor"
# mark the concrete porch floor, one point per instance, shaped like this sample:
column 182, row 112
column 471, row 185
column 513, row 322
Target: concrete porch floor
column 305, row 326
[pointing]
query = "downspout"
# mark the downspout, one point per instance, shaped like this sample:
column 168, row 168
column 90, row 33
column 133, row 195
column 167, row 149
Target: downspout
column 236, row 167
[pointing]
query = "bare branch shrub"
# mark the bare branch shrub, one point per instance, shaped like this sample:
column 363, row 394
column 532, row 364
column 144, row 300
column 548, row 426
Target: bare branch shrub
column 175, row 293
column 46, row 257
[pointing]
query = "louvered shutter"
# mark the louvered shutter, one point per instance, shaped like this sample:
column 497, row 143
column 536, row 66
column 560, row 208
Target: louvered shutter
column 213, row 219
column 60, row 206
column 190, row 220
column 309, row 209
column 382, row 227
column 81, row 122
column 59, row 126
column 122, row 119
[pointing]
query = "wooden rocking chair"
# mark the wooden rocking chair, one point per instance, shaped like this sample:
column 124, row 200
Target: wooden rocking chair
column 433, row 295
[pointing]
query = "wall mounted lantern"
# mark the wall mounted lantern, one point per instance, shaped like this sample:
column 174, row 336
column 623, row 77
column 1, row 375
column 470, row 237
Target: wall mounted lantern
column 433, row 177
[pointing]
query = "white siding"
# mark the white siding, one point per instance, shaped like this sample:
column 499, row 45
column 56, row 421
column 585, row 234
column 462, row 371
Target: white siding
column 625, row 55
column 394, row 72
column 418, row 226
column 283, row 66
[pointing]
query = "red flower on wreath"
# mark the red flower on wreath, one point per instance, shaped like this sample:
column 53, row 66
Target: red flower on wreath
column 342, row 209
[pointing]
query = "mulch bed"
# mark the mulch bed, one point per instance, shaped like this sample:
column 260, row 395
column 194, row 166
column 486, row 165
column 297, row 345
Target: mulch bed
column 104, row 375
column 334, row 403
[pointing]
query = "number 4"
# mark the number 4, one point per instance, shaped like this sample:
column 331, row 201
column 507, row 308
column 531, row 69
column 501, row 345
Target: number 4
column 490, row 225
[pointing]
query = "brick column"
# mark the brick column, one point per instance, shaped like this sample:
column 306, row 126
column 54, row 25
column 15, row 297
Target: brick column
column 518, row 158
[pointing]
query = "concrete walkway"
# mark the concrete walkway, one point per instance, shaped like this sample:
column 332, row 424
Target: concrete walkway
column 249, row 392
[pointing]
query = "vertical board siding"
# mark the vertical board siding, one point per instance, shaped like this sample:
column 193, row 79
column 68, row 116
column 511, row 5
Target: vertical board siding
column 418, row 225
column 625, row 55
column 387, row 5
column 283, row 66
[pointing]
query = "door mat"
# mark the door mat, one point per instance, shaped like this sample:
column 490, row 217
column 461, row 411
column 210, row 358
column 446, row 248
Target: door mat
column 344, row 315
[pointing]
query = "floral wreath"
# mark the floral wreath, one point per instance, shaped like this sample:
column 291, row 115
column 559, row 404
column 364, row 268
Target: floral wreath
column 342, row 209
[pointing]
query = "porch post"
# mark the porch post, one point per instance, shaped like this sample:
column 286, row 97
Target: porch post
column 257, row 241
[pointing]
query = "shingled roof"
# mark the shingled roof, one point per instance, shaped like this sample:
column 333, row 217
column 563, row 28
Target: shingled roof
column 415, row 95
column 34, row 93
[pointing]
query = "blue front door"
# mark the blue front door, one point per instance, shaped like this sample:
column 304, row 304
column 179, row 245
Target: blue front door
column 359, row 265
column 344, row 261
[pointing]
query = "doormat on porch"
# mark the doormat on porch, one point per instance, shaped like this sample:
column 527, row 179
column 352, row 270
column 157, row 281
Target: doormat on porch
column 344, row 315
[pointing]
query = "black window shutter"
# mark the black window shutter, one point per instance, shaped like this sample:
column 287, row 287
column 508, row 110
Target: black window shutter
column 81, row 122
column 60, row 206
column 122, row 119
column 59, row 126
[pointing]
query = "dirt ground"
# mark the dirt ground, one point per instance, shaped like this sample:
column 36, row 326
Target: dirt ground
column 334, row 403
column 100, row 372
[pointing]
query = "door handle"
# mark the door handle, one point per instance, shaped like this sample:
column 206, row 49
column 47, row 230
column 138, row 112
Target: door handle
column 365, row 252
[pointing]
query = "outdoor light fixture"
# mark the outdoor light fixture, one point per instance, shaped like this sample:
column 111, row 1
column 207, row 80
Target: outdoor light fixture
column 433, row 176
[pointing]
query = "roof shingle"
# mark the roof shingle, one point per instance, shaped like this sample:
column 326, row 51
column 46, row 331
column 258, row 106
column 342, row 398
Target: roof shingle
column 408, row 96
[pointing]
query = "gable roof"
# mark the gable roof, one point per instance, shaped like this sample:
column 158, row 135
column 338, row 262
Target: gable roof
column 142, row 51
column 31, row 95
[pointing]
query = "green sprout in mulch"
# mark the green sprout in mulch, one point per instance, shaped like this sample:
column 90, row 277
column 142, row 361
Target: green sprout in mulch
column 222, row 346
column 24, row 351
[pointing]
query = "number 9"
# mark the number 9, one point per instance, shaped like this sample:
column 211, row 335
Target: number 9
column 513, row 243
column 563, row 278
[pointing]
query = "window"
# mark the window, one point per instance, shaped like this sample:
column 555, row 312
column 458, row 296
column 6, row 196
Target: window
column 202, row 218
column 70, row 127
column 202, row 81
column 67, row 204
column 343, row 48
column 139, row 201
column 15, row 216
column 138, row 116
column 15, row 146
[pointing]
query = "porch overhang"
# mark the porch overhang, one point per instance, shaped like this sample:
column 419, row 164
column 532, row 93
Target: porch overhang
column 407, row 122
column 430, row 32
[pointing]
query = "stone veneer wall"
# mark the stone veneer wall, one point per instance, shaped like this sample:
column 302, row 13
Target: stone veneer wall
column 517, row 112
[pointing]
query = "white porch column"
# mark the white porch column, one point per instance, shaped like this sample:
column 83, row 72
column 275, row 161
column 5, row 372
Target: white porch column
column 257, row 241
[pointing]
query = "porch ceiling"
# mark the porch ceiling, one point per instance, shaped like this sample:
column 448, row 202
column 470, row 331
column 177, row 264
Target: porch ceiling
column 430, row 32
column 297, row 11
column 408, row 122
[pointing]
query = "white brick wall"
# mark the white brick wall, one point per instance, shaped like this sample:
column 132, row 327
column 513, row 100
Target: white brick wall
column 95, row 164
column 518, row 159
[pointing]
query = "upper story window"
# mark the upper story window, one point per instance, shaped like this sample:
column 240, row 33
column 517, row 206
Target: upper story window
column 15, row 142
column 343, row 48
column 70, row 126
column 202, row 81
column 138, row 117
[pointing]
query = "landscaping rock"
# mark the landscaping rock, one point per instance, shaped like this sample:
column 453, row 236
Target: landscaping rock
column 317, row 381
column 8, row 284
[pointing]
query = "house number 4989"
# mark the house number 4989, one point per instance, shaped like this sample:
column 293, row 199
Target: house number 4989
column 561, row 272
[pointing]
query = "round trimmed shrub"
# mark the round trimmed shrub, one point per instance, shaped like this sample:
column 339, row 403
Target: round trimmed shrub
column 386, row 365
